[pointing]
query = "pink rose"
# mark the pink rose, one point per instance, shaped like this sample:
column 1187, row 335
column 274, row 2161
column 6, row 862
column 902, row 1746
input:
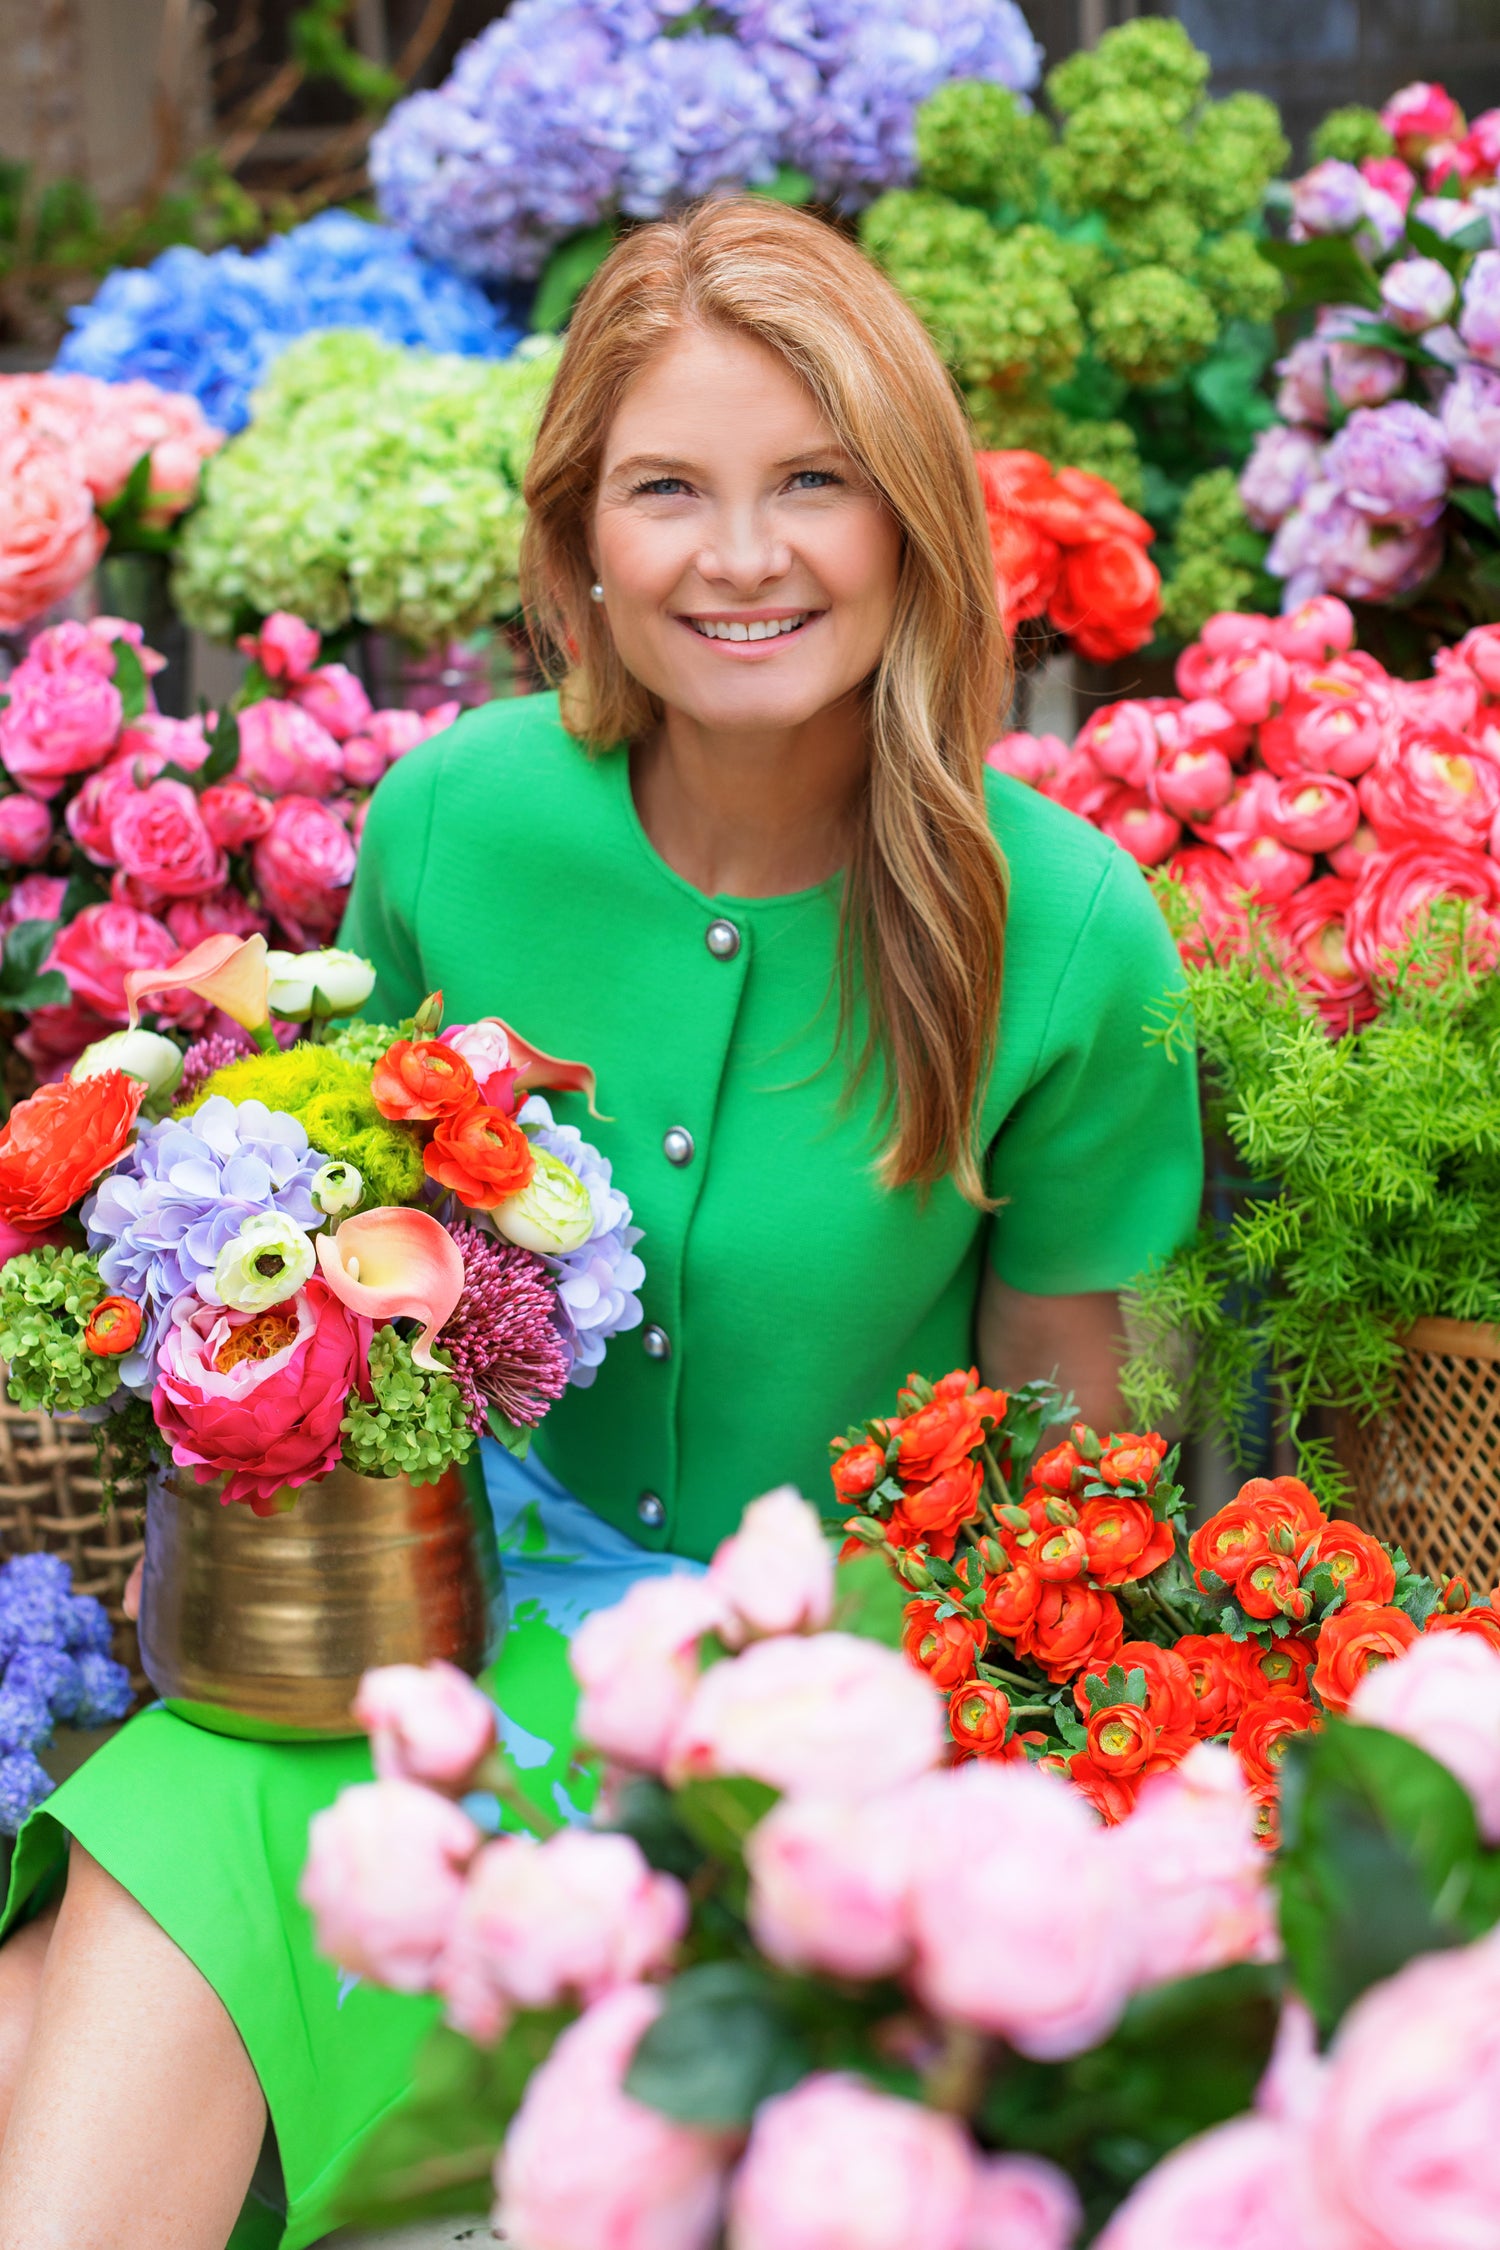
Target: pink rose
column 637, row 1665
column 396, row 732
column 91, row 814
column 1194, row 784
column 1311, row 927
column 1023, row 2203
column 35, row 898
column 50, row 538
column 1431, row 784
column 486, row 1049
column 191, row 920
column 775, row 1575
column 571, row 1919
column 1032, row 758
column 25, row 830
column 1397, row 887
column 384, row 1878
column 828, row 1714
column 426, row 1722
column 1230, row 2189
column 1444, row 1693
column 1316, row 631
column 828, row 1883
column 1314, row 812
column 100, row 944
column 585, row 2167
column 303, row 865
column 335, row 699
column 1129, row 819
column 285, row 648
column 54, row 1039
column 160, row 841
column 56, row 724
column 836, row 2165
column 1121, row 740
column 284, row 751
column 234, row 815
column 262, row 1424
column 162, row 741
column 364, row 763
column 1197, row 1880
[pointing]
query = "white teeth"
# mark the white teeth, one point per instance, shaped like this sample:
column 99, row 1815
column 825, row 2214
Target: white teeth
column 768, row 629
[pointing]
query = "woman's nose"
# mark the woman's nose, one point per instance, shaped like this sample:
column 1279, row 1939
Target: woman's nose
column 745, row 551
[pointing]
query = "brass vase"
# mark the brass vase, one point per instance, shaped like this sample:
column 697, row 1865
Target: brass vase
column 261, row 1625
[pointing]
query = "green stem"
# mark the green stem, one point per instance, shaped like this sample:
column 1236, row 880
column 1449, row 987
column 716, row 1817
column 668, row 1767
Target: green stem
column 265, row 1038
column 496, row 1776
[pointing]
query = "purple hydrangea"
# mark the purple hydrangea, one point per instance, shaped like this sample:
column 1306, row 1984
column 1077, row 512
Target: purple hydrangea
column 595, row 1285
column 1325, row 546
column 1332, row 365
column 1391, row 462
column 1469, row 411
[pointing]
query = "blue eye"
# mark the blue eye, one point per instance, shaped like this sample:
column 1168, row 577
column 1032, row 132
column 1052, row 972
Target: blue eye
column 820, row 478
column 661, row 487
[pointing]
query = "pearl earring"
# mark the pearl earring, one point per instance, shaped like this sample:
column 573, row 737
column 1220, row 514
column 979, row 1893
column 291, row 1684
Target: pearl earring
column 596, row 592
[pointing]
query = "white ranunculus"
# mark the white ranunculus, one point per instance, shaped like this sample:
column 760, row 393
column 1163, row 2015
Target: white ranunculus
column 146, row 1055
column 268, row 1261
column 336, row 1187
column 552, row 1213
column 328, row 982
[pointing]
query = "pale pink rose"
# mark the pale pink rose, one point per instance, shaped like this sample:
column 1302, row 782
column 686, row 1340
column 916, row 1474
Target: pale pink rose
column 775, row 1575
column 1292, row 2085
column 1444, row 1693
column 336, row 700
column 831, row 1714
column 364, row 763
column 486, row 1049
column 57, row 723
column 36, row 898
column 570, row 1919
column 1231, row 2189
column 191, row 920
column 426, row 1722
column 159, row 840
column 285, row 648
column 50, row 537
column 836, row 2165
column 1032, row 758
column 284, row 750
column 25, row 830
column 829, row 1878
column 100, row 944
column 1023, row 2203
column 637, row 1665
column 1189, row 1866
column 233, row 814
column 384, row 1879
column 303, row 865
column 585, row 2167
column 119, row 422
column 993, row 1834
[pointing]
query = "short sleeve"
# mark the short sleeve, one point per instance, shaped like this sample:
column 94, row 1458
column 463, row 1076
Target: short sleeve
column 1099, row 1167
column 380, row 920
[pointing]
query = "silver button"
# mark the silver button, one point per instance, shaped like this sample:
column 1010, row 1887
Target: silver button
column 656, row 1343
column 677, row 1145
column 651, row 1511
column 722, row 940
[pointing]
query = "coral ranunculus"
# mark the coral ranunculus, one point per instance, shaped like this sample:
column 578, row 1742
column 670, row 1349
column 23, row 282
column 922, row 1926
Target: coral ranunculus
column 1260, row 1739
column 1361, row 1565
column 481, row 1155
column 56, row 1144
column 1352, row 1642
column 1124, row 1539
column 1108, row 598
column 945, row 1648
column 1218, row 1690
column 1072, row 1627
column 422, row 1079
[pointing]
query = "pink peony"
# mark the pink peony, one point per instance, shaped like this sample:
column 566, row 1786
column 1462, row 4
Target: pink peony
column 117, row 423
column 303, row 865
column 637, row 1666
column 836, row 2165
column 1431, row 784
column 384, row 1878
column 830, row 1714
column 1023, row 2203
column 1447, row 703
column 50, row 537
column 1196, row 1880
column 1280, row 469
column 58, row 723
column 1079, row 785
column 262, row 1424
column 1314, row 812
column 396, row 732
column 1417, row 293
column 35, row 898
column 335, row 699
column 1329, row 199
column 1444, row 1693
column 426, row 1722
column 828, row 1883
column 1390, row 177
column 1032, row 758
column 284, row 648
column 1231, row 2189
column 1479, row 322
column 585, row 2167
column 571, row 1919
column 285, row 751
column 25, row 830
column 96, row 949
column 234, row 815
column 157, row 741
column 160, row 842
column 1396, row 888
column 775, row 1575
column 91, row 814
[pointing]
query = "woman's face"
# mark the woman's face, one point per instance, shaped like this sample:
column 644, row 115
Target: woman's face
column 749, row 570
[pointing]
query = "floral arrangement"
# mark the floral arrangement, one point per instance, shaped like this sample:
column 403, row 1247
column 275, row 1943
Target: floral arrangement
column 374, row 485
column 85, row 465
column 210, row 324
column 1097, row 285
column 780, row 1975
column 128, row 837
column 1070, row 554
column 55, row 1666
column 370, row 1247
column 570, row 114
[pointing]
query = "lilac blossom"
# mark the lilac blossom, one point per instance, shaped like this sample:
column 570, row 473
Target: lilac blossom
column 1417, row 293
column 595, row 1285
column 1391, row 462
column 1479, row 322
column 1278, row 472
column 1470, row 414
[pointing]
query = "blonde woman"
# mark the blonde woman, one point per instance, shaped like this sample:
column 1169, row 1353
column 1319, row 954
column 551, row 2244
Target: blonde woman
column 870, row 1026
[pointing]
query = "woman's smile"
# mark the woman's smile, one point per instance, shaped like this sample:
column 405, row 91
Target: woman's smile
column 752, row 633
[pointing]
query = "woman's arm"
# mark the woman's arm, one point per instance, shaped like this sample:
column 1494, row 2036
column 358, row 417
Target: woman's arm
column 1078, row 1341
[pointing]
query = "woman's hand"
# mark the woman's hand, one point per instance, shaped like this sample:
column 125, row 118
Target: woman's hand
column 1078, row 1341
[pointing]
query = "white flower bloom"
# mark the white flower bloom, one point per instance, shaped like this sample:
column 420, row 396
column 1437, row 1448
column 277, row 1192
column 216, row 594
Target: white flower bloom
column 328, row 982
column 552, row 1214
column 269, row 1260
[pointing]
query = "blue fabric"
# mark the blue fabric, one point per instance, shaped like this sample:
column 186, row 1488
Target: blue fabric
column 561, row 1561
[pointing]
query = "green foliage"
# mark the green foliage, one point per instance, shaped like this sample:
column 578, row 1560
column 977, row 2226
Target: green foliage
column 725, row 2042
column 24, row 983
column 46, row 1297
column 870, row 1600
column 317, row 41
column 329, row 1093
column 1350, row 135
column 1161, row 233
column 1151, row 324
column 976, row 143
column 414, row 1424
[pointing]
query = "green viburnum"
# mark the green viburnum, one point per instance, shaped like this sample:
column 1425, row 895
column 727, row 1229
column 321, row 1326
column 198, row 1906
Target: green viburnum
column 1152, row 55
column 1148, row 325
column 1350, row 135
column 363, row 1043
column 1198, row 589
column 975, row 142
column 1104, row 448
column 1237, row 280
column 1121, row 148
column 46, row 1297
column 1236, row 149
column 414, row 1425
column 1164, row 233
column 997, row 306
column 1209, row 573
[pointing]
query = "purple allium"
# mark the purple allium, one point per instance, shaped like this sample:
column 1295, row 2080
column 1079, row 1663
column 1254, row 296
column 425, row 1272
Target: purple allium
column 502, row 1343
column 1330, row 199
column 1417, row 293
column 1469, row 411
column 595, row 1285
column 1479, row 322
column 23, row 1785
column 1391, row 462
column 205, row 1056
column 1278, row 472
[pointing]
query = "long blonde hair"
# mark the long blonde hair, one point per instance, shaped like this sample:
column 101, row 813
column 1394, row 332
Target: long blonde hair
column 923, row 918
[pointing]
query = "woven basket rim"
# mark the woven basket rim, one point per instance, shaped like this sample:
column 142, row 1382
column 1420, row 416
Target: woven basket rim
column 1454, row 1339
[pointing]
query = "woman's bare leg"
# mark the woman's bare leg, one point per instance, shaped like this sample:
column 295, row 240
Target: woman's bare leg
column 22, row 1960
column 138, row 2119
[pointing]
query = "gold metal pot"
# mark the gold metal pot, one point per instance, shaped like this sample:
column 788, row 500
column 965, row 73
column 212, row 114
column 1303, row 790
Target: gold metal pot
column 261, row 1625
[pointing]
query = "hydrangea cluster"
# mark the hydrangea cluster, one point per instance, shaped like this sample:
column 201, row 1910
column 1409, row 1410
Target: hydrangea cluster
column 46, row 1297
column 414, row 1423
column 212, row 324
column 595, row 1285
column 566, row 113
column 54, row 1650
column 374, row 484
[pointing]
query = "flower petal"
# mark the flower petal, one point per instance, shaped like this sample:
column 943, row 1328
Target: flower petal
column 227, row 971
column 395, row 1264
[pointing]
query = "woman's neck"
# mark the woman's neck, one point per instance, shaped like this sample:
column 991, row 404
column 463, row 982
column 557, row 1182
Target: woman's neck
column 752, row 815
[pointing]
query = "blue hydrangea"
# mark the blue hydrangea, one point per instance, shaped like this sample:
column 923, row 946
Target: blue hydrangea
column 596, row 1285
column 212, row 324
column 23, row 1785
column 25, row 1719
column 104, row 1690
column 36, row 1592
column 54, row 1645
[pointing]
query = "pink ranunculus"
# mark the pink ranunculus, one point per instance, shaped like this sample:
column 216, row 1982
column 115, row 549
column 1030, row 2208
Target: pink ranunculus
column 285, row 648
column 1396, row 888
column 1032, row 758
column 51, row 538
column 775, row 1574
column 637, row 1666
column 96, row 949
column 1219, row 928
column 284, row 751
column 1268, row 868
column 1023, row 2203
column 1280, row 469
column 829, row 1878
column 234, row 815
column 1079, row 785
column 1389, row 176
column 992, row 1834
column 262, row 1424
column 1420, row 114
column 35, row 898
column 1233, row 2188
column 831, row 1713
column 384, row 1878
column 1314, row 812
column 1337, row 720
column 57, row 724
column 191, row 920
column 1256, row 683
column 1431, row 784
column 1444, row 1693
column 586, row 2167
column 1350, row 859
column 160, row 841
column 426, row 1722
column 1317, row 631
column 1194, row 784
column 1204, row 723
column 1479, row 654
column 54, row 1039
column 1447, row 703
column 1188, row 1863
column 1244, row 815
column 1122, row 742
column 335, row 698
column 566, row 1920
column 1329, row 199
column 303, row 865
column 1312, row 929
column 1147, row 831
column 836, row 2165
column 364, row 762
column 25, row 830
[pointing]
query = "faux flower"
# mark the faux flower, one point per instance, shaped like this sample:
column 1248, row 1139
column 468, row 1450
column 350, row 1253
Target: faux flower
column 268, row 1261
column 830, row 1712
column 479, row 1154
column 393, row 1263
column 56, row 1144
column 1444, row 1693
column 426, row 1722
column 502, row 1343
column 155, row 1060
column 384, row 1878
column 829, row 1879
column 837, row 2162
column 226, row 971
column 552, row 1214
column 636, row 1664
column 328, row 982
column 775, row 1574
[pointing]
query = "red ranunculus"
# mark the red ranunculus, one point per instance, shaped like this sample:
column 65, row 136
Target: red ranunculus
column 1121, row 1739
column 1063, row 1470
column 946, row 1502
column 1124, row 1539
column 422, row 1079
column 1260, row 1739
column 1281, row 1667
column 1108, row 598
column 1272, row 1588
column 55, row 1145
column 1396, row 888
column 1485, row 1622
column 1361, row 1565
column 946, row 1648
column 1311, row 925
column 1011, row 1598
column 978, row 1715
column 1112, row 1795
column 481, row 1155
column 1352, row 1642
column 1213, row 1666
column 938, row 1436
column 857, row 1470
column 1073, row 1627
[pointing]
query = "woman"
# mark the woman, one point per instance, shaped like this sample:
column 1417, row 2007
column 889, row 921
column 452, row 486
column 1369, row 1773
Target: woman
column 770, row 903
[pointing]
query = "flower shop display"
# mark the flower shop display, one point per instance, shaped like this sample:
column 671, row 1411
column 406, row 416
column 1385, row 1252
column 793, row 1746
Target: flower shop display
column 127, row 837
column 210, row 324
column 375, row 486
column 1070, row 558
column 55, row 1668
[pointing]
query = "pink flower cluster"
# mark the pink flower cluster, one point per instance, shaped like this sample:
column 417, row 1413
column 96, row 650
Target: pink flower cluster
column 68, row 445
column 1295, row 774
column 270, row 848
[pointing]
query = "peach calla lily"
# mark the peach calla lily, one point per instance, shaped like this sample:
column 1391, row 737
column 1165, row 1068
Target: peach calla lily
column 228, row 972
column 396, row 1264
column 534, row 1068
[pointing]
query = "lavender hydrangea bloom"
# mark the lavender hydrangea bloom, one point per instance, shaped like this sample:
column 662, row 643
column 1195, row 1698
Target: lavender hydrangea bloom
column 1330, row 199
column 703, row 117
column 158, row 1222
column 1278, row 472
column 595, row 1285
column 23, row 1785
column 1391, row 462
column 48, row 1676
column 1479, row 322
column 1469, row 411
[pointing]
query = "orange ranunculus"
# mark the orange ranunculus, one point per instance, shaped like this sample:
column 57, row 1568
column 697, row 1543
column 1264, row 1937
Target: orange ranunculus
column 949, row 1500
column 1229, row 1544
column 113, row 1327
column 902, row 1532
column 1122, row 1738
column 963, row 1382
column 1060, row 1553
column 1484, row 1622
column 1124, row 1539
column 1027, row 558
column 1072, row 1627
column 481, row 1154
column 938, row 1436
column 1107, row 599
column 417, row 1080
column 1170, row 1702
column 1063, row 1470
column 945, row 1648
column 978, row 1715
column 1283, row 1667
column 1112, row 1795
column 1352, row 1642
column 1360, row 1564
column 1099, row 506
column 1284, row 1500
column 57, row 1143
column 1271, row 1588
column 1010, row 1598
column 857, row 1470
column 1213, row 1666
column 1260, row 1739
column 1132, row 1460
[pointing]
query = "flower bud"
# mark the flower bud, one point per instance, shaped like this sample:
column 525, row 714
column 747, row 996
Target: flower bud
column 268, row 1261
column 145, row 1055
column 1087, row 1442
column 1014, row 1519
column 552, row 1214
column 1281, row 1539
column 328, row 982
column 1061, row 1512
column 914, row 1572
column 866, row 1530
column 429, row 1017
column 1456, row 1595
column 337, row 1188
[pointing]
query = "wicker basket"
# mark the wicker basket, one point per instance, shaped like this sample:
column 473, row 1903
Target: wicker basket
column 51, row 1498
column 1427, row 1473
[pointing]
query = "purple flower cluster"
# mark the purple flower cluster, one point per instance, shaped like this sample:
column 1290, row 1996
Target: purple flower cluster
column 502, row 1344
column 54, row 1650
column 595, row 1285
column 566, row 112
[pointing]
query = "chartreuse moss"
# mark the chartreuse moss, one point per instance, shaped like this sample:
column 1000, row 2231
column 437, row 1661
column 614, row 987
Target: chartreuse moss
column 331, row 1099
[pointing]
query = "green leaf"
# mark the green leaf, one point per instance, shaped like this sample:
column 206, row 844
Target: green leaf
column 721, row 1811
column 570, row 268
column 510, row 1434
column 723, row 2044
column 1450, row 250
column 223, row 750
column 788, row 186
column 647, row 1811
column 1327, row 270
column 1478, row 501
column 49, row 990
column 1115, row 1688
column 869, row 1599
column 130, row 679
column 27, row 945
column 129, row 502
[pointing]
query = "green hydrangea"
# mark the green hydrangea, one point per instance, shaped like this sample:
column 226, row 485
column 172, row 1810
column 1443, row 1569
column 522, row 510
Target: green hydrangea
column 1164, row 233
column 997, row 307
column 1148, row 325
column 1198, row 589
column 1350, row 135
column 1236, row 149
column 1104, row 448
column 1208, row 576
column 414, row 1423
column 1237, row 280
column 330, row 1097
column 363, row 1044
column 1152, row 55
column 46, row 1297
column 976, row 142
column 1121, row 148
